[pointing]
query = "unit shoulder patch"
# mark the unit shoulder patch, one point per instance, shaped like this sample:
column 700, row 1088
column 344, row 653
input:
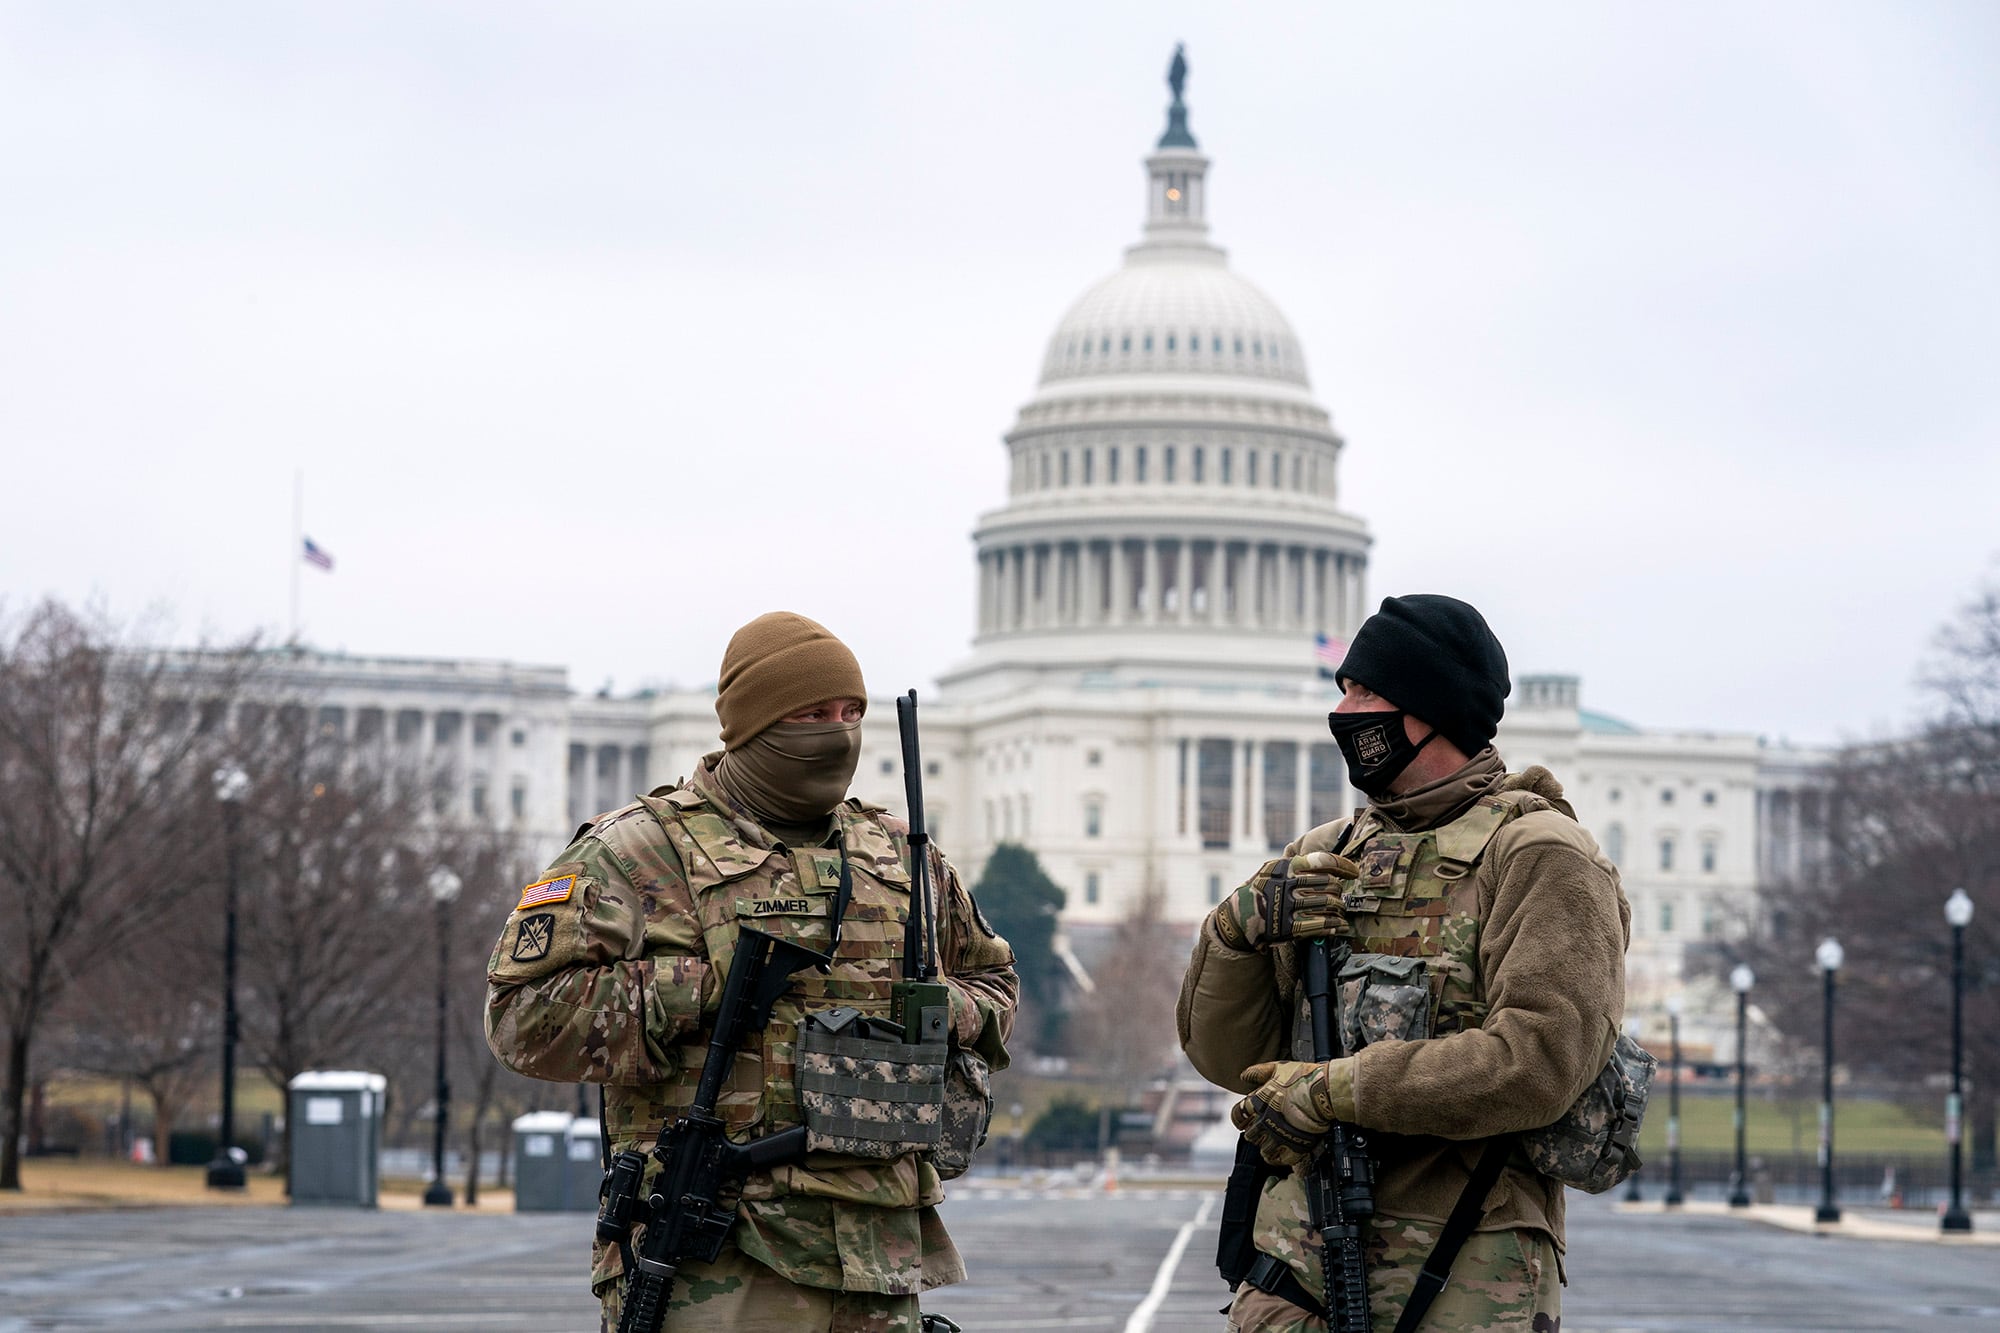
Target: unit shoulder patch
column 547, row 891
column 979, row 917
column 533, row 937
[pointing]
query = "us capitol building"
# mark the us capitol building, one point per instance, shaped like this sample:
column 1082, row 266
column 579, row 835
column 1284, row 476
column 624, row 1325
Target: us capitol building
column 1141, row 704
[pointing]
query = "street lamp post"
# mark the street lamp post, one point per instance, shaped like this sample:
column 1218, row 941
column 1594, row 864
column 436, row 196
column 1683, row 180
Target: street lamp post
column 1958, row 912
column 444, row 886
column 1829, row 955
column 1673, row 1198
column 231, row 783
column 1741, row 979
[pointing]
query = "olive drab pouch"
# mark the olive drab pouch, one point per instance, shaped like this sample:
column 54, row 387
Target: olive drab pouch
column 865, row 1091
column 968, row 1110
column 1595, row 1144
column 1382, row 997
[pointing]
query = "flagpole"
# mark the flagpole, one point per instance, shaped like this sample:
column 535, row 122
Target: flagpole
column 298, row 543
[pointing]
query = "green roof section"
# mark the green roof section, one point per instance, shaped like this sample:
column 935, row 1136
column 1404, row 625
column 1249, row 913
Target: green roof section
column 1603, row 724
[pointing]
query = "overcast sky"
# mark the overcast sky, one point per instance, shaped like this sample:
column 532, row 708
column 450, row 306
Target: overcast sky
column 1666, row 334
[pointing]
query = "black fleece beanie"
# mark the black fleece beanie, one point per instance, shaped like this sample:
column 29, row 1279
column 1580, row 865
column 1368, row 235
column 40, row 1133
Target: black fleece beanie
column 1435, row 658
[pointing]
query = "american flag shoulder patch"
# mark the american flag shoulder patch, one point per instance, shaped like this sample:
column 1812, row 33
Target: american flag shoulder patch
column 547, row 891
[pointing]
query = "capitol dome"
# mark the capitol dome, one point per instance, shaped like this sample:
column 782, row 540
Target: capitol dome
column 1173, row 499
column 1175, row 310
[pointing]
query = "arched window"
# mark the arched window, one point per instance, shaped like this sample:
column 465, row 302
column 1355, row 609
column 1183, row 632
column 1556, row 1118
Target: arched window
column 1093, row 818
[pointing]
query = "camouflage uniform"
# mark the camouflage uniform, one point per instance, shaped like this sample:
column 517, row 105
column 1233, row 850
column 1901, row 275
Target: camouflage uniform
column 614, row 982
column 1426, row 890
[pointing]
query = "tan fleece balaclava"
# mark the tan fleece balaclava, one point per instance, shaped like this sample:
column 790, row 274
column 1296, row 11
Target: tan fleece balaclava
column 785, row 774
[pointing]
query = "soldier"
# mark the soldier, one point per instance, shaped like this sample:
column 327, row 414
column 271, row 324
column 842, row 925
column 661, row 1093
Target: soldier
column 1482, row 993
column 613, row 960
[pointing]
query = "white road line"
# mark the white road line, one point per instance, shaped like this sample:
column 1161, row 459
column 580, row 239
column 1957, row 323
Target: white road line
column 1142, row 1318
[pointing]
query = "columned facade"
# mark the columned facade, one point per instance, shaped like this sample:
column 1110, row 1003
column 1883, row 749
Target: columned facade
column 1191, row 580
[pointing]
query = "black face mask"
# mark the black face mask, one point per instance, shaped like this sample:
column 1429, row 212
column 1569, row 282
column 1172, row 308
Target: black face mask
column 1376, row 747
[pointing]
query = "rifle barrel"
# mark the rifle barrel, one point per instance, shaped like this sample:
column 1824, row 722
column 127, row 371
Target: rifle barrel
column 918, row 961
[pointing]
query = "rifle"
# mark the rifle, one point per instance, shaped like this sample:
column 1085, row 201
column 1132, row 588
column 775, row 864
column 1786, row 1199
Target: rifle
column 1339, row 1179
column 919, row 1002
column 686, row 1216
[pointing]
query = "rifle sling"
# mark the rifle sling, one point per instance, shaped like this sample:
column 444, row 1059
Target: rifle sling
column 1465, row 1215
column 1275, row 1278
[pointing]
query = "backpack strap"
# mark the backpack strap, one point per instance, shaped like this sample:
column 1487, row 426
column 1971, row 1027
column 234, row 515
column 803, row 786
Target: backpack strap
column 1465, row 1215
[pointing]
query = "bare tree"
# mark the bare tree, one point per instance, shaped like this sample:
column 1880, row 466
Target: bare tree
column 104, row 784
column 162, row 1033
column 487, row 861
column 336, row 914
column 1124, row 1027
column 1904, row 824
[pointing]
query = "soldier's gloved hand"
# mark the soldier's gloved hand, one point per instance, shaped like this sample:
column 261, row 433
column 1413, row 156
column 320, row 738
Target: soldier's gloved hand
column 1291, row 898
column 1287, row 1115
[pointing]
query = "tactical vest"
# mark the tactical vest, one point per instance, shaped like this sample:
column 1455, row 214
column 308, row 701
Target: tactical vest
column 1415, row 900
column 787, row 893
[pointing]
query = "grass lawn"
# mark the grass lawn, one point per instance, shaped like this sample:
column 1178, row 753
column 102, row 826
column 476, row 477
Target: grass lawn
column 1860, row 1126
column 57, row 1182
column 62, row 1182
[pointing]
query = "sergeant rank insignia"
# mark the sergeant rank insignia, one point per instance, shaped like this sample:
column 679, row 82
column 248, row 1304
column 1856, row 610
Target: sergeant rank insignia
column 532, row 940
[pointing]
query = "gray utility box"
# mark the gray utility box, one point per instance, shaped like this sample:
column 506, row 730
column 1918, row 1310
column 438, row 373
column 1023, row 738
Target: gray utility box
column 556, row 1163
column 334, row 1120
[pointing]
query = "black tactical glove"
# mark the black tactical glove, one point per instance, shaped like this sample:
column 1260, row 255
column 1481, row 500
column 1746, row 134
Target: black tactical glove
column 1291, row 898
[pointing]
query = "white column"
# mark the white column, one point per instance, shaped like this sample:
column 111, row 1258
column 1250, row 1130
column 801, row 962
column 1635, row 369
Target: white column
column 1253, row 812
column 1212, row 586
column 1185, row 766
column 1184, row 583
column 999, row 559
column 1121, row 581
column 1261, row 587
column 1065, row 601
column 1237, row 785
column 1360, row 577
column 985, row 587
column 1302, row 791
column 1288, row 588
column 1319, row 592
column 1016, row 588
column 1150, row 602
column 1344, row 593
column 1092, row 585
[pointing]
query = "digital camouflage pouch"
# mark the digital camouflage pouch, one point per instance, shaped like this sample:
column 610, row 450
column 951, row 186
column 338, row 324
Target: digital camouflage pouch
column 968, row 1110
column 1595, row 1145
column 868, row 1093
column 1382, row 998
